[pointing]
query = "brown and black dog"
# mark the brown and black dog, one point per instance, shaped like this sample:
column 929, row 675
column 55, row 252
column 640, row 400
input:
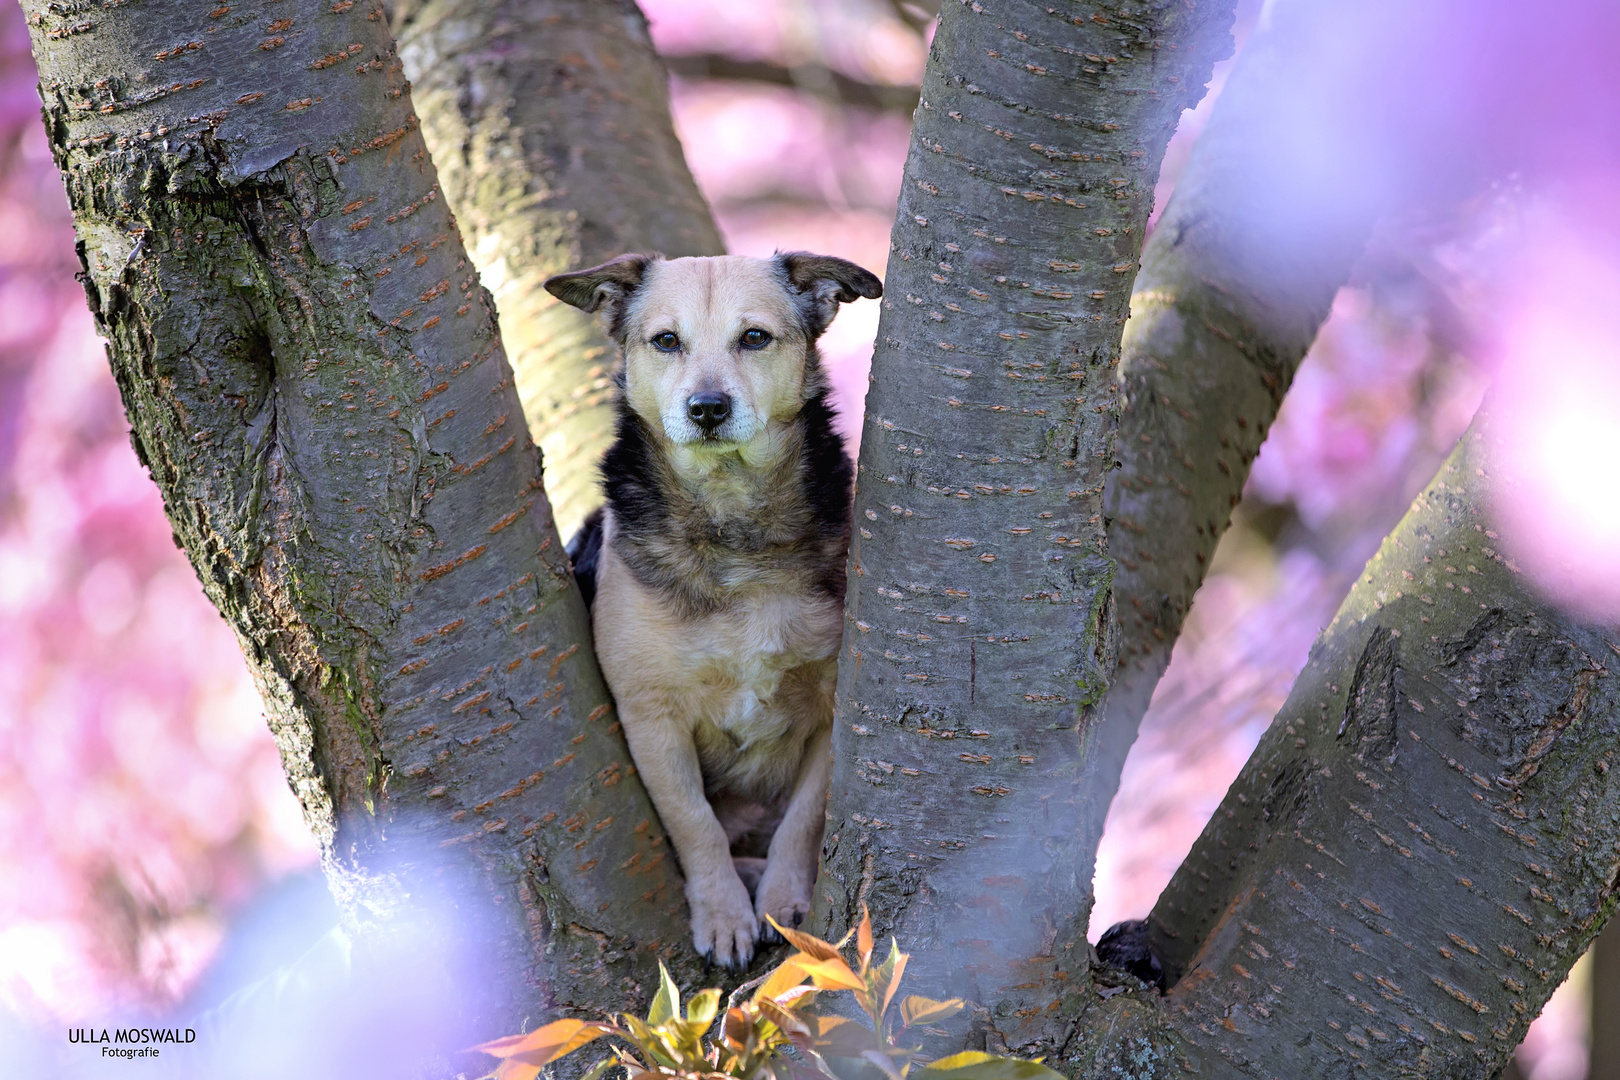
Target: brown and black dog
column 716, row 570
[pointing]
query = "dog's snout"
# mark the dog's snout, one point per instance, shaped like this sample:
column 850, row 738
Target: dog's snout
column 709, row 409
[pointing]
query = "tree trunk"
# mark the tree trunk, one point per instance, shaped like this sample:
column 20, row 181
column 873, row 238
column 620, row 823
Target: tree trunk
column 315, row 381
column 1425, row 840
column 549, row 124
column 1239, row 274
column 980, row 636
column 955, row 594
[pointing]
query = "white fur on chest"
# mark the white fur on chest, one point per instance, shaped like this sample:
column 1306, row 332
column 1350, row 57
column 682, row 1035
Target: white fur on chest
column 750, row 668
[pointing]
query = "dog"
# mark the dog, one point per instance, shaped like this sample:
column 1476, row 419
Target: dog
column 715, row 571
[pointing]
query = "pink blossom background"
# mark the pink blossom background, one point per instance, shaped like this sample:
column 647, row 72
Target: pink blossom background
column 143, row 814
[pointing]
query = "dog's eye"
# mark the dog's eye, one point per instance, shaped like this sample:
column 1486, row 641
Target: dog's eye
column 755, row 339
column 666, row 342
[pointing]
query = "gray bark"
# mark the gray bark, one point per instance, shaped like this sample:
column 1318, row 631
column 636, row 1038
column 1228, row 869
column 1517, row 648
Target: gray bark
column 980, row 637
column 549, row 124
column 315, row 381
column 1424, row 841
column 956, row 819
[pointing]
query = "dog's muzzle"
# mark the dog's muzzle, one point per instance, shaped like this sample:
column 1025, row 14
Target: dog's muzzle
column 709, row 410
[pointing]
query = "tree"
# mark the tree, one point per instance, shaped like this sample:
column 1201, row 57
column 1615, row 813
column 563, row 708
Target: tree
column 389, row 561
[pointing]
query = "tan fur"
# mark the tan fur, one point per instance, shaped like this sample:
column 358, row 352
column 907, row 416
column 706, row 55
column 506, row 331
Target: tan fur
column 736, row 702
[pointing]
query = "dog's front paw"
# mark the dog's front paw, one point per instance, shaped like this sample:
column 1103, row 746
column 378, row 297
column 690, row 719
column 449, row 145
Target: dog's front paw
column 723, row 924
column 784, row 895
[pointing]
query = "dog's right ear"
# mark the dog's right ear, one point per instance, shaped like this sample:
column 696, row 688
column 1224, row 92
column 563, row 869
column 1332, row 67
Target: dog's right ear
column 822, row 282
column 611, row 283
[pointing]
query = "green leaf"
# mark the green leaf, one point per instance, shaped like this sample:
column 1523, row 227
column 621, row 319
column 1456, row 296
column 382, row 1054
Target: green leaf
column 896, row 965
column 883, row 980
column 977, row 1065
column 667, row 1003
column 704, row 1007
column 652, row 1043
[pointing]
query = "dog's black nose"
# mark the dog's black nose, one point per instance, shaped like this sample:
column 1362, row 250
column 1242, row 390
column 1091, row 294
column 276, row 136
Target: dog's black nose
column 709, row 409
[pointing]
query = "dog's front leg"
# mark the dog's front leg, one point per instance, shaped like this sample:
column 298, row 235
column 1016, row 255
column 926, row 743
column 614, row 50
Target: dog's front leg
column 795, row 851
column 724, row 926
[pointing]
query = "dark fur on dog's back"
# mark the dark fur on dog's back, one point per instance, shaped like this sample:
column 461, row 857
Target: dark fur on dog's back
column 673, row 545
column 585, row 550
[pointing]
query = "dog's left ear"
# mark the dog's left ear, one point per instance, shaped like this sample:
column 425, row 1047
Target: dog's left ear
column 824, row 282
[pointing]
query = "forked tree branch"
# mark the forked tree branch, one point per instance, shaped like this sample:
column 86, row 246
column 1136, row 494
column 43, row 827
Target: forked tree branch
column 1238, row 276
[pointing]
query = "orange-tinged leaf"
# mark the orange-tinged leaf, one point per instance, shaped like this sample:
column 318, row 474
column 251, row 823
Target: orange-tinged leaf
column 516, row 1070
column 736, row 1026
column 808, row 944
column 790, row 1024
column 501, row 1047
column 544, row 1053
column 832, row 974
column 783, row 978
column 921, row 1010
column 863, row 938
column 900, row 959
column 554, row 1039
column 792, row 998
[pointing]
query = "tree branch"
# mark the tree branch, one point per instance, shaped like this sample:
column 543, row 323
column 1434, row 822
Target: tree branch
column 979, row 639
column 1424, row 841
column 1238, row 276
column 816, row 79
column 549, row 122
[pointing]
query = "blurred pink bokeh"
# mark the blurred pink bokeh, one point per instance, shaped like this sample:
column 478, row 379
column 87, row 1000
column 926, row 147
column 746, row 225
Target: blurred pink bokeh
column 141, row 801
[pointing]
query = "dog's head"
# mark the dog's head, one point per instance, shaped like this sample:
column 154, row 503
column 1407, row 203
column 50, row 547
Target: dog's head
column 716, row 349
